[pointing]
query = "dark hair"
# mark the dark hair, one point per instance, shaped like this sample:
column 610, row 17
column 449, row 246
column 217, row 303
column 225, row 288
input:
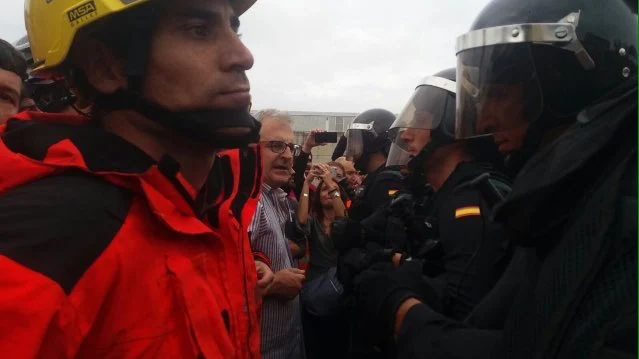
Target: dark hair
column 12, row 60
column 315, row 204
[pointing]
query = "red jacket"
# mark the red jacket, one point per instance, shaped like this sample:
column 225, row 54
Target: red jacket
column 105, row 253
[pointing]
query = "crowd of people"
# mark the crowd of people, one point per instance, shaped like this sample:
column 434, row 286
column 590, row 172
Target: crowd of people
column 145, row 213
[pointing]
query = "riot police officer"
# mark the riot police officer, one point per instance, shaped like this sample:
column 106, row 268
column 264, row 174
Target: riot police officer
column 367, row 145
column 464, row 251
column 555, row 83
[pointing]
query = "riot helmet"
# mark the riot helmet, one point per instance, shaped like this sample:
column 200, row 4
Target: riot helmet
column 529, row 66
column 427, row 121
column 368, row 135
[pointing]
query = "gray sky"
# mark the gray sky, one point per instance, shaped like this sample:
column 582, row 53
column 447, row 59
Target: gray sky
column 336, row 55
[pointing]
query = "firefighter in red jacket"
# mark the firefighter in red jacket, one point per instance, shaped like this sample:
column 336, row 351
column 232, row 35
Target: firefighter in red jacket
column 123, row 235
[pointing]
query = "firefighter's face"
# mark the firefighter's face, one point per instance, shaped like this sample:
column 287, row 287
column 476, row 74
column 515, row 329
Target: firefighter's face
column 197, row 59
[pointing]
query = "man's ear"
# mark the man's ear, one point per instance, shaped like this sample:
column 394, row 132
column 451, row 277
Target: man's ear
column 103, row 68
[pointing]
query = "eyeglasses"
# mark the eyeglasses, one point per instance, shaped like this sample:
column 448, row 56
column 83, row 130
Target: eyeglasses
column 280, row 147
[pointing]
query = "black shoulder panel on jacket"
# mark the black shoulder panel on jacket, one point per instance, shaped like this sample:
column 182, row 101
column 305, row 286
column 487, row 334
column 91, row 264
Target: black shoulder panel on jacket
column 59, row 225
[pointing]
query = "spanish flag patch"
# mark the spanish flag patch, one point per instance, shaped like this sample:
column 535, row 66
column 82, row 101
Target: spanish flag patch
column 467, row 211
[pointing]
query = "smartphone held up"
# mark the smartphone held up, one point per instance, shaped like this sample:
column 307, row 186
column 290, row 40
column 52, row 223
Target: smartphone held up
column 326, row 137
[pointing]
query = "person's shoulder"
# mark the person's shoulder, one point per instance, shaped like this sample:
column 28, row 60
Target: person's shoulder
column 59, row 225
column 386, row 181
column 65, row 196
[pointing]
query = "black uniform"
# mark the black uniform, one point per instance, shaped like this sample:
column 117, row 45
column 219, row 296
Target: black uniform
column 571, row 288
column 377, row 191
column 474, row 250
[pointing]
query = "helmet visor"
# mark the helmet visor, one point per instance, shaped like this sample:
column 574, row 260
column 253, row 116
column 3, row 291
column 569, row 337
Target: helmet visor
column 427, row 107
column 498, row 93
column 426, row 110
column 356, row 138
column 407, row 143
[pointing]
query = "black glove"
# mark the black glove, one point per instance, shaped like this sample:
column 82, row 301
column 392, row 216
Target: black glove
column 356, row 260
column 380, row 290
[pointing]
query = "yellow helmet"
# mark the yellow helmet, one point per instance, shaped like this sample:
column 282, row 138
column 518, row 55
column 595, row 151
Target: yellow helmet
column 53, row 24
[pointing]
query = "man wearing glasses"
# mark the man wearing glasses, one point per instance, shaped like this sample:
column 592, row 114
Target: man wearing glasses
column 280, row 320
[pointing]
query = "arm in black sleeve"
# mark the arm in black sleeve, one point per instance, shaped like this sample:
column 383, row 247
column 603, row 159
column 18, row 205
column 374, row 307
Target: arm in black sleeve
column 425, row 333
column 296, row 233
column 299, row 166
column 492, row 311
column 474, row 247
column 302, row 231
column 380, row 194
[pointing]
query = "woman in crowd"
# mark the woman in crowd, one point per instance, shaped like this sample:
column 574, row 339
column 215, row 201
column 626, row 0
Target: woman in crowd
column 325, row 336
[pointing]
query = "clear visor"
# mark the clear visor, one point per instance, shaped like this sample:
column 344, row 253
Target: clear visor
column 356, row 136
column 426, row 110
column 407, row 143
column 498, row 92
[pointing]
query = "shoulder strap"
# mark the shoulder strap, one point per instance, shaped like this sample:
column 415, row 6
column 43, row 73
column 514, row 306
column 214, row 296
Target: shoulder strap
column 494, row 187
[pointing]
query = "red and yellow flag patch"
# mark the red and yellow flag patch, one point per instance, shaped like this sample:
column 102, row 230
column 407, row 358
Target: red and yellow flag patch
column 467, row 212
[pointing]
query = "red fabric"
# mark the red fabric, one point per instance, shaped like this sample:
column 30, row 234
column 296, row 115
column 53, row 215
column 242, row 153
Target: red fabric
column 161, row 289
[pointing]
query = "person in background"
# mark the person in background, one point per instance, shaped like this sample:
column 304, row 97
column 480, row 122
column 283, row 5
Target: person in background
column 367, row 145
column 280, row 319
column 353, row 179
column 303, row 159
column 325, row 205
column 13, row 71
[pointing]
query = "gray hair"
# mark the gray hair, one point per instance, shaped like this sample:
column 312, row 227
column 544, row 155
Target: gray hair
column 272, row 114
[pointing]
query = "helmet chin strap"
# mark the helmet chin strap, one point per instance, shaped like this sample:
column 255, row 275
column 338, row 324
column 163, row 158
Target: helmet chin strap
column 205, row 125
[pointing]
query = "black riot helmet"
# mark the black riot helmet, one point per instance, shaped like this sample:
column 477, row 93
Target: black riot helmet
column 427, row 121
column 532, row 65
column 367, row 135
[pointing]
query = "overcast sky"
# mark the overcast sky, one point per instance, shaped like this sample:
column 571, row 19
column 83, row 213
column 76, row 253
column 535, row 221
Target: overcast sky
column 336, row 55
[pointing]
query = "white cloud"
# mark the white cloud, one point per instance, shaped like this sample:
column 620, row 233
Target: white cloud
column 336, row 55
